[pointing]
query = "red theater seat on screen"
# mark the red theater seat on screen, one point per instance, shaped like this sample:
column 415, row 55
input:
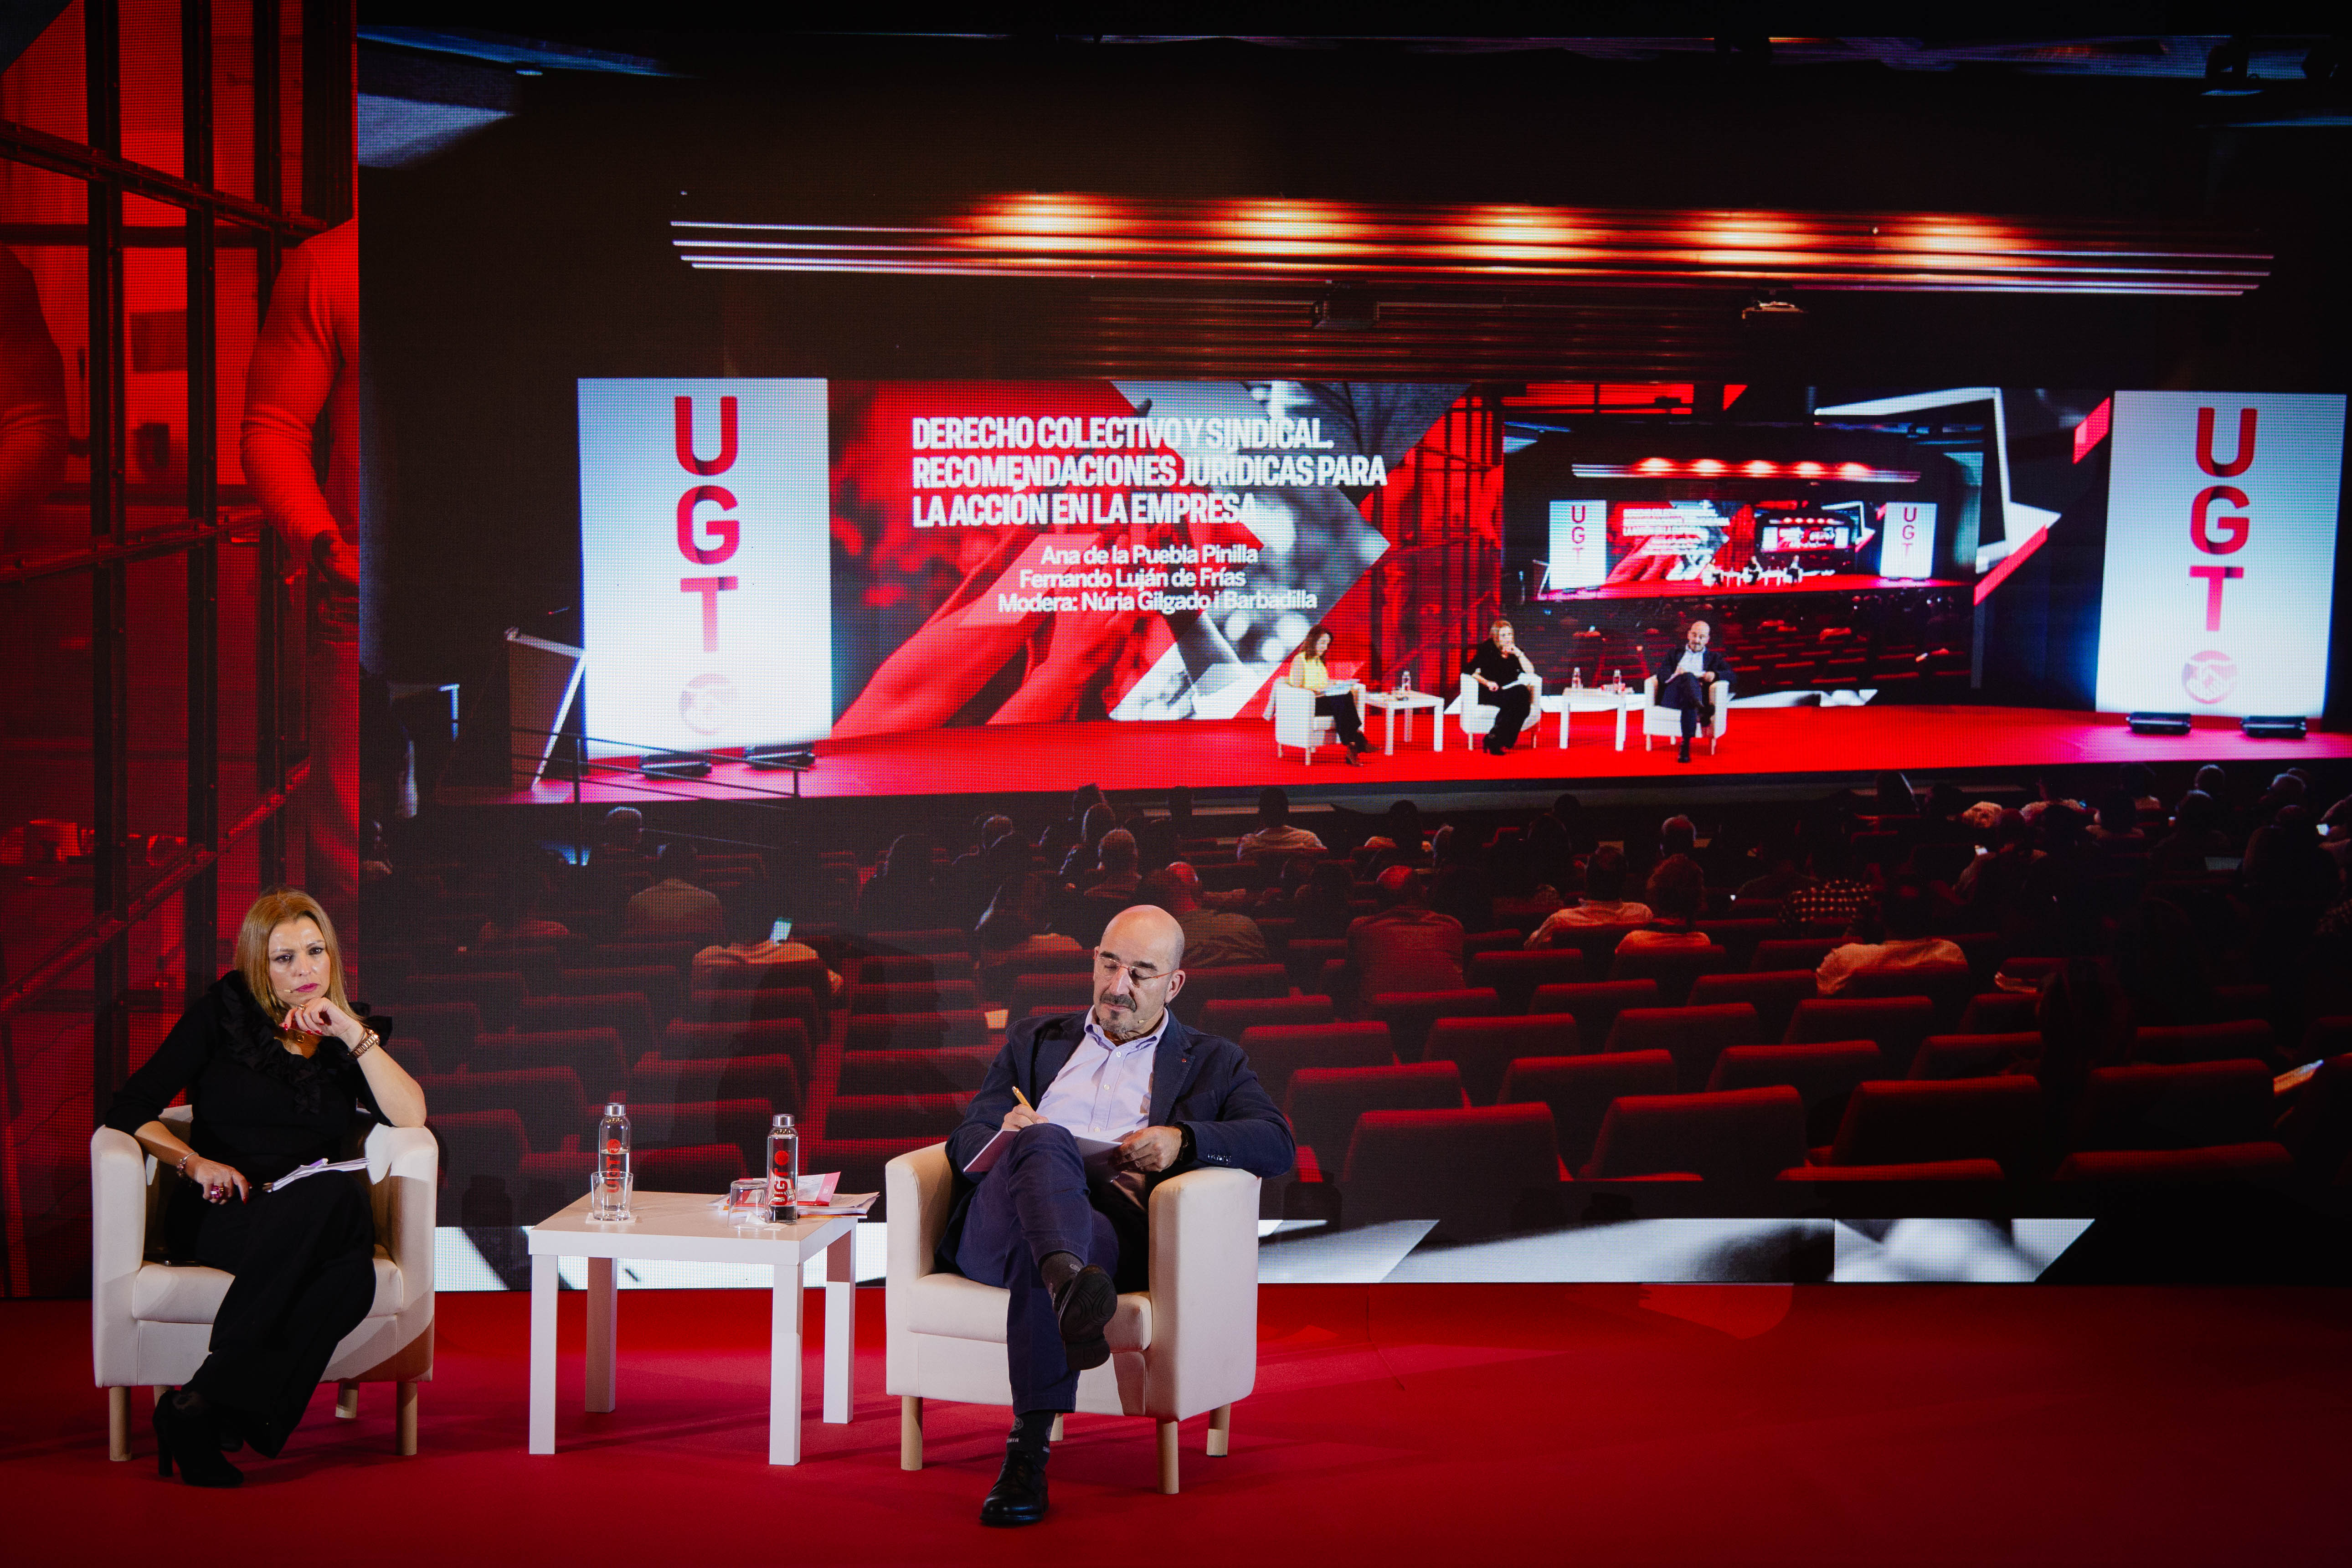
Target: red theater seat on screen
column 2181, row 1106
column 2245, row 1039
column 1897, row 1023
column 1774, row 995
column 725, row 1005
column 916, row 996
column 913, row 1072
column 1925, row 1171
column 1595, row 1004
column 1232, row 1017
column 2262, row 1161
column 740, row 1122
column 894, row 1116
column 1323, row 1103
column 1694, row 1036
column 1739, row 937
column 663, row 992
column 1304, row 956
column 1484, row 1048
column 624, row 1013
column 1409, row 1014
column 1276, row 1053
column 537, row 965
column 1948, row 986
column 1674, row 969
column 495, row 997
column 1503, row 938
column 674, row 955
column 547, row 1100
column 1999, row 1013
column 774, row 1082
column 1597, row 944
column 1898, row 1123
column 773, row 1037
column 1059, row 993
column 915, row 1031
column 706, row 1168
column 481, row 1166
column 1513, row 975
column 594, row 1056
column 445, row 1029
column 949, row 940
column 1478, row 1173
column 1578, row 1091
column 1744, row 1136
column 1823, row 1075
column 915, row 968
column 1943, row 1057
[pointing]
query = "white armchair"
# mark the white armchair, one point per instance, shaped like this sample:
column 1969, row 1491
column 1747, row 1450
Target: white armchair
column 1295, row 722
column 151, row 1323
column 1187, row 1344
column 1666, row 723
column 1478, row 718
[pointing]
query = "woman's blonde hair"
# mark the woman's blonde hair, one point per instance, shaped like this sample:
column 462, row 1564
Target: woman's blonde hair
column 1497, row 624
column 272, row 910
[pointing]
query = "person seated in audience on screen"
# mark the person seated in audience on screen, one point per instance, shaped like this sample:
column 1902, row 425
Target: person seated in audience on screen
column 972, row 876
column 281, row 1074
column 515, row 918
column 1213, row 938
column 1085, row 853
column 2285, row 870
column 1400, row 840
column 1459, row 885
column 1276, row 836
column 1115, row 871
column 1317, row 894
column 1677, row 895
column 1011, row 936
column 2180, row 854
column 675, row 906
column 1837, row 895
column 1783, row 873
column 1503, row 676
column 1520, row 898
column 2048, row 792
column 1064, row 1241
column 751, row 948
column 2139, row 780
column 1688, row 679
column 1605, row 902
column 1905, row 911
column 2116, row 829
column 1334, row 700
column 902, row 894
column 1406, row 945
column 1552, row 857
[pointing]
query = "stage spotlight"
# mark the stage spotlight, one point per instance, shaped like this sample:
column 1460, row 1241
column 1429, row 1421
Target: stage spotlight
column 2158, row 723
column 674, row 765
column 2272, row 726
column 779, row 758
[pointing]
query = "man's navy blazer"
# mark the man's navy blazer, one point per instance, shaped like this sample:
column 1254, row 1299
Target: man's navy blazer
column 1709, row 661
column 1200, row 1081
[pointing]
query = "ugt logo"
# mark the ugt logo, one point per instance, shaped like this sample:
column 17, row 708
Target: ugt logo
column 2209, row 677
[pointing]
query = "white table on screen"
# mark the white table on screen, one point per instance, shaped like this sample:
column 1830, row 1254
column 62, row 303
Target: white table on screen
column 1395, row 702
column 688, row 1228
column 1590, row 700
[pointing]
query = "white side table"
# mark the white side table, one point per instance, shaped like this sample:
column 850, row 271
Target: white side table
column 1590, row 700
column 1395, row 702
column 688, row 1228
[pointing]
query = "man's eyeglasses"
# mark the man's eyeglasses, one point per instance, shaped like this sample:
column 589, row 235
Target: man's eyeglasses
column 1141, row 973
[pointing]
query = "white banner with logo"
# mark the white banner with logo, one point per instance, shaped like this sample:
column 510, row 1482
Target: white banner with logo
column 1907, row 539
column 705, row 563
column 1579, row 544
column 2222, row 517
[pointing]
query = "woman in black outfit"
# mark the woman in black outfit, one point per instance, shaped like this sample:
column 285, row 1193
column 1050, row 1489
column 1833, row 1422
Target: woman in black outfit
column 1497, row 664
column 279, row 1073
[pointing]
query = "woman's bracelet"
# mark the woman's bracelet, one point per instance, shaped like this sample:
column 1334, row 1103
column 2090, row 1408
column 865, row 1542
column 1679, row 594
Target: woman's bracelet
column 181, row 1168
column 368, row 1042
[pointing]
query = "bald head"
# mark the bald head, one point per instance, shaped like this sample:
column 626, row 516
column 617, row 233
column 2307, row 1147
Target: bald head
column 1137, row 970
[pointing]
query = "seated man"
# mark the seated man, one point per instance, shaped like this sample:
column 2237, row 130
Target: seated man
column 1677, row 893
column 1605, row 902
column 1688, row 682
column 675, row 906
column 1062, row 1237
column 1407, row 946
column 1905, row 911
column 1213, row 938
column 1276, row 838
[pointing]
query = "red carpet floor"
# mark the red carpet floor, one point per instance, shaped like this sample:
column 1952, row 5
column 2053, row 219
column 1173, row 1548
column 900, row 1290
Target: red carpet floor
column 1394, row 1424
column 1780, row 741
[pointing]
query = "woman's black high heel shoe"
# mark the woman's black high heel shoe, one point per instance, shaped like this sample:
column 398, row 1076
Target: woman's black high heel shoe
column 188, row 1434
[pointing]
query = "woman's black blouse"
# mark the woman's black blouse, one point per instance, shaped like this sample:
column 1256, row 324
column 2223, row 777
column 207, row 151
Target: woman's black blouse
column 1496, row 665
column 258, row 1106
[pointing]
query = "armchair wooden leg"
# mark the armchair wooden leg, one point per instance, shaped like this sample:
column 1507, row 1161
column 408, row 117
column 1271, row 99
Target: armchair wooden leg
column 347, row 1400
column 1169, row 1476
column 910, row 1432
column 118, row 1423
column 404, row 1404
column 1056, row 1434
column 1220, row 1430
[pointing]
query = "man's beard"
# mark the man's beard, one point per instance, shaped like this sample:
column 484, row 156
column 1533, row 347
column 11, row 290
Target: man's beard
column 1120, row 1037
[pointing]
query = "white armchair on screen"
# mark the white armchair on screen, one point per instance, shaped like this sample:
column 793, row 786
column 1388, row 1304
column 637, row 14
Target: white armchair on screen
column 1295, row 722
column 1666, row 723
column 152, row 1322
column 1478, row 718
column 1187, row 1344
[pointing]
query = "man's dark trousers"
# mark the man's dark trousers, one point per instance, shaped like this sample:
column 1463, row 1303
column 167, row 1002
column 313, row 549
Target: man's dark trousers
column 1688, row 693
column 1035, row 1201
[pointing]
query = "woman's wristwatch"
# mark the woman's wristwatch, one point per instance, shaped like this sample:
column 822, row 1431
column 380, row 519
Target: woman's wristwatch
column 368, row 1042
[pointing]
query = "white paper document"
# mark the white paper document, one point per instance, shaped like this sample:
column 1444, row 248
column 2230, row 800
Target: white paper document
column 313, row 1168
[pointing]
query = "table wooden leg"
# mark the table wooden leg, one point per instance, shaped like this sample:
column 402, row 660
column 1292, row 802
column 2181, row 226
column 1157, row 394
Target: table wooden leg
column 840, row 1327
column 784, row 1367
column 542, row 1353
column 603, row 1335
